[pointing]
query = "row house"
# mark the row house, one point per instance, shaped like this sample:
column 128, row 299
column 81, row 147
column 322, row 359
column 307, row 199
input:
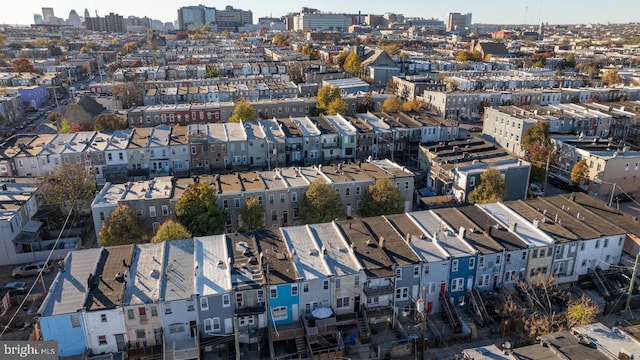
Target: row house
column 278, row 190
column 463, row 257
column 299, row 283
column 247, row 282
column 150, row 200
column 507, row 124
column 11, row 109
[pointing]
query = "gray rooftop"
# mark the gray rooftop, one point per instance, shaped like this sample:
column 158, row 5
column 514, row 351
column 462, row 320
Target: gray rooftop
column 145, row 274
column 179, row 270
column 213, row 271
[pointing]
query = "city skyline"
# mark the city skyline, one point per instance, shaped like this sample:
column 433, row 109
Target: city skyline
column 493, row 12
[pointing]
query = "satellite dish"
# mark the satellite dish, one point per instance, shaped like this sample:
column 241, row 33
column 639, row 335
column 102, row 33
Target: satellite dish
column 507, row 345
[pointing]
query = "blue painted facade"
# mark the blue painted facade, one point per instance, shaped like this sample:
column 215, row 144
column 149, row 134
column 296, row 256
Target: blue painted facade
column 71, row 339
column 288, row 295
column 462, row 267
column 34, row 96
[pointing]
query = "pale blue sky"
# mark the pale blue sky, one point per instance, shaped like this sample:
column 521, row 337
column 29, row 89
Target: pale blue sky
column 487, row 11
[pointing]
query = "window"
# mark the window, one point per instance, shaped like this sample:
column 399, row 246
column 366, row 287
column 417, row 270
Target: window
column 273, row 292
column 103, row 317
column 507, row 258
column 274, row 215
column 457, row 284
column 102, row 340
column 402, row 293
column 481, row 262
column 154, row 311
column 398, row 273
column 620, row 241
column 597, row 244
column 356, row 281
column 534, row 253
column 75, row 320
column 294, row 197
column 305, row 287
column 294, row 290
column 509, row 275
column 190, row 305
column 606, row 243
column 454, row 265
column 239, row 300
column 260, row 295
column 176, row 328
column 427, row 269
column 342, row 302
column 204, row 303
column 140, row 334
column 524, row 255
column 416, row 271
column 279, row 313
column 357, row 190
column 130, row 314
column 152, row 211
column 431, row 288
column 237, row 203
column 326, row 285
column 338, row 284
column 270, row 199
column 167, row 308
column 347, row 191
column 498, row 258
column 472, row 263
column 282, row 198
column 165, row 210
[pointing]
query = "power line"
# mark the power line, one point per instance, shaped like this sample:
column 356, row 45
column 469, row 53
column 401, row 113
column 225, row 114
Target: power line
column 39, row 277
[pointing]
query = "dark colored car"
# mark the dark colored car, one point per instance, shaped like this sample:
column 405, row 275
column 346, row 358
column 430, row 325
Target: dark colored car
column 624, row 197
column 16, row 287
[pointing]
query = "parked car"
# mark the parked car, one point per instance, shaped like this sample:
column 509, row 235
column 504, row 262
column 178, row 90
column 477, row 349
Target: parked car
column 16, row 287
column 30, row 269
column 624, row 197
column 535, row 190
column 475, row 129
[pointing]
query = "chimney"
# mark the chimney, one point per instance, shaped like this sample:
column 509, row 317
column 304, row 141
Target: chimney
column 572, row 197
column 462, row 233
column 487, row 229
column 536, row 223
column 381, row 242
column 513, row 226
column 409, row 238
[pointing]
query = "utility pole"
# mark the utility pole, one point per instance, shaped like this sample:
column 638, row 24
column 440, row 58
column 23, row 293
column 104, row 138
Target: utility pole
column 613, row 191
column 546, row 174
column 627, row 305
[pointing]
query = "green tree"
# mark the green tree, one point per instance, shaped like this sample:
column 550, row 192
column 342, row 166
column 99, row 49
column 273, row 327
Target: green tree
column 581, row 312
column 252, row 215
column 3, row 40
column 243, row 111
column 392, row 104
column 130, row 46
column 326, row 95
column 538, row 64
column 171, row 230
column 65, row 127
column 122, row 227
column 337, row 106
column 320, row 204
column 579, row 172
column 212, row 71
column 109, row 122
column 70, row 184
column 570, row 60
column 382, row 198
column 465, row 55
column 414, row 105
column 128, row 93
column 279, row 39
column 353, row 64
column 198, row 212
column 492, row 188
column 341, row 58
column 536, row 133
column 310, row 51
column 538, row 154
